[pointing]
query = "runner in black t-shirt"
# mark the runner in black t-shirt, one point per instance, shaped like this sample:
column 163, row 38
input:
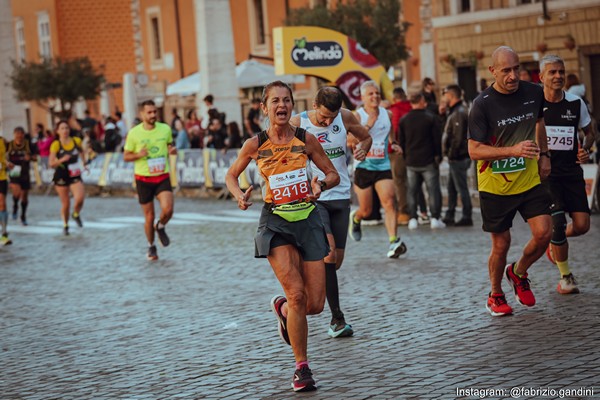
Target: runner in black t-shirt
column 564, row 115
column 507, row 138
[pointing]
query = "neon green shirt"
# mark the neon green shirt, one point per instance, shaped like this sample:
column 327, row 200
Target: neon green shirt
column 156, row 142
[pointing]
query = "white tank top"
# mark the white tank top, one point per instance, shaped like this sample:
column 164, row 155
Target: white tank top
column 333, row 140
column 378, row 158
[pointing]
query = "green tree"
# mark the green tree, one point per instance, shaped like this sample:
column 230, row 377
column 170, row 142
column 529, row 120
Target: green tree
column 56, row 80
column 374, row 24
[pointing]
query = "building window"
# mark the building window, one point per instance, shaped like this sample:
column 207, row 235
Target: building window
column 259, row 22
column 155, row 40
column 20, row 36
column 464, row 6
column 44, row 35
column 467, row 80
column 155, row 32
column 521, row 2
column 258, row 27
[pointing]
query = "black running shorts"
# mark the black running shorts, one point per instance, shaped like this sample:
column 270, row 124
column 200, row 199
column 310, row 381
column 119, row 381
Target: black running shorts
column 25, row 184
column 498, row 211
column 67, row 181
column 364, row 178
column 3, row 187
column 568, row 194
column 335, row 215
column 308, row 235
column 147, row 191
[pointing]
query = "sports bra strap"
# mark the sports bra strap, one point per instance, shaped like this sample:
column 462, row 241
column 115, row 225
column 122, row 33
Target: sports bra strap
column 262, row 138
column 301, row 134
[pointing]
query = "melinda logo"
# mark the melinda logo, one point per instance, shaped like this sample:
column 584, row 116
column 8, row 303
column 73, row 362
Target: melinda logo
column 316, row 54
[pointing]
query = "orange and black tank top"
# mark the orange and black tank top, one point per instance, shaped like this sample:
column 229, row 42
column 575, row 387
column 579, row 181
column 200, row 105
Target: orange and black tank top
column 283, row 168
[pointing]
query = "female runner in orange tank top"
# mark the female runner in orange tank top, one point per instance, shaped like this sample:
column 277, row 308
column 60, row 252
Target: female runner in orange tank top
column 296, row 249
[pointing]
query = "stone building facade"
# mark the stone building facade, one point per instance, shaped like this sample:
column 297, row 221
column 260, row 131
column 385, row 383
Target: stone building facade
column 467, row 31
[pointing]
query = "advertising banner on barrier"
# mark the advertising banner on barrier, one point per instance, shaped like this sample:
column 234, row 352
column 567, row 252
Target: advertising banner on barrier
column 117, row 173
column 195, row 168
column 190, row 168
column 216, row 164
column 42, row 174
column 96, row 170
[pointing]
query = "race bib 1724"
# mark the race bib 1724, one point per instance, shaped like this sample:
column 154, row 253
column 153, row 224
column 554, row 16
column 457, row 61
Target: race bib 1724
column 508, row 165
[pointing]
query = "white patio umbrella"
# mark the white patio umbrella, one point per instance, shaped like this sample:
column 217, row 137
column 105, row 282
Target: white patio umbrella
column 249, row 73
column 185, row 86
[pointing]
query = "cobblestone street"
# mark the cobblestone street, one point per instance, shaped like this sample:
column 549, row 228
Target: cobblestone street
column 88, row 317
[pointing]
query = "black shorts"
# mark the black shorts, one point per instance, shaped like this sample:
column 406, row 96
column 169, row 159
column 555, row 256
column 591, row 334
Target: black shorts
column 25, row 184
column 307, row 235
column 364, row 178
column 147, row 191
column 498, row 211
column 335, row 215
column 568, row 194
column 3, row 187
column 68, row 181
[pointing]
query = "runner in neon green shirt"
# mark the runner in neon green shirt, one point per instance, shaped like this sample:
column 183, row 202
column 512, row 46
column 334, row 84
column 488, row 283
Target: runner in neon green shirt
column 156, row 143
column 148, row 145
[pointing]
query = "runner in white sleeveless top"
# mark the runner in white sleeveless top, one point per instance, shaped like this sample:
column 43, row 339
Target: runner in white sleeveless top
column 331, row 124
column 375, row 172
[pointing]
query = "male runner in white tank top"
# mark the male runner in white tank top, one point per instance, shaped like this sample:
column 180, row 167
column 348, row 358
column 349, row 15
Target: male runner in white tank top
column 375, row 171
column 330, row 124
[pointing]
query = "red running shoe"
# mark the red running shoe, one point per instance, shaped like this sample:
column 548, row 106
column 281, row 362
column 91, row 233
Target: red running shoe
column 276, row 304
column 303, row 380
column 520, row 286
column 550, row 254
column 497, row 305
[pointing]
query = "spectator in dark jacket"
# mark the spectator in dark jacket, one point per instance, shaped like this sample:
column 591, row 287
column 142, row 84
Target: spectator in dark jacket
column 216, row 135
column 428, row 87
column 420, row 140
column 234, row 138
column 455, row 147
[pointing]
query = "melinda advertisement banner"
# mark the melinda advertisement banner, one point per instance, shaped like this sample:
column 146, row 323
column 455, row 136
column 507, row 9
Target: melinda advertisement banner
column 330, row 55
